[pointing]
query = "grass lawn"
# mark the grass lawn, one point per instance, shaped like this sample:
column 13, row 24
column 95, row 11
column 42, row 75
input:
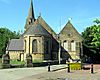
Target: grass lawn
column 14, row 61
column 17, row 62
column 37, row 61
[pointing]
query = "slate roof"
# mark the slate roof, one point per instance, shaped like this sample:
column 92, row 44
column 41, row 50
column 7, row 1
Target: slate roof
column 16, row 45
column 37, row 30
column 45, row 25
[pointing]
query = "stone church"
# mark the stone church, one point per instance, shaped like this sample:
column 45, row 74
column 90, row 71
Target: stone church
column 42, row 43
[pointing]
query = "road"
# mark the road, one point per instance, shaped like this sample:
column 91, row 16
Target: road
column 41, row 73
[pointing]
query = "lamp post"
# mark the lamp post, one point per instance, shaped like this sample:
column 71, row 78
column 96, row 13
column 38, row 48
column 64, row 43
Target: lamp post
column 81, row 55
column 59, row 52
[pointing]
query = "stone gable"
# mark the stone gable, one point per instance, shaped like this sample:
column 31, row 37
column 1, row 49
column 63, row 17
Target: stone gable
column 70, row 32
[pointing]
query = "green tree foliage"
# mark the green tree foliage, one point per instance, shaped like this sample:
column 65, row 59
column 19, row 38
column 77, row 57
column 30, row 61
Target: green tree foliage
column 5, row 36
column 92, row 41
column 97, row 21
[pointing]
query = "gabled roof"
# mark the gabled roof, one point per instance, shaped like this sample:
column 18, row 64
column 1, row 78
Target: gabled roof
column 37, row 30
column 16, row 45
column 46, row 26
column 69, row 28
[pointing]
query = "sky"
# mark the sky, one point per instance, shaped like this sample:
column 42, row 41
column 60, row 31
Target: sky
column 13, row 13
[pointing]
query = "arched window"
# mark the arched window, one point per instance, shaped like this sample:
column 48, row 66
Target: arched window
column 73, row 45
column 65, row 45
column 34, row 45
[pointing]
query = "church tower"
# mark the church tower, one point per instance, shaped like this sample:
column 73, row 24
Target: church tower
column 31, row 18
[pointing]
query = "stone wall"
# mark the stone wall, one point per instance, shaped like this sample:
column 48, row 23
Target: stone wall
column 70, row 34
column 40, row 54
column 37, row 57
column 74, row 55
column 15, row 55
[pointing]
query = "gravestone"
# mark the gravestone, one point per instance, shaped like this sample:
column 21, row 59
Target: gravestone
column 29, row 60
column 6, row 61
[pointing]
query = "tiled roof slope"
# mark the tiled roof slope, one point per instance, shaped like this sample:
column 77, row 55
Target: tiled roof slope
column 37, row 30
column 46, row 26
column 16, row 44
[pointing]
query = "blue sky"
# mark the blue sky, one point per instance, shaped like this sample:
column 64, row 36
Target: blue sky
column 13, row 13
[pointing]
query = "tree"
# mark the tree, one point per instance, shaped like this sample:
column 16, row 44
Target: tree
column 5, row 35
column 92, row 41
column 97, row 21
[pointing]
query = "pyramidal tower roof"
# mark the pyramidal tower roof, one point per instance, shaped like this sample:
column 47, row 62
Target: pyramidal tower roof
column 31, row 11
column 31, row 18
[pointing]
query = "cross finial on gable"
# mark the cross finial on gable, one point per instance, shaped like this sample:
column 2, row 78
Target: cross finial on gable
column 40, row 14
column 69, row 19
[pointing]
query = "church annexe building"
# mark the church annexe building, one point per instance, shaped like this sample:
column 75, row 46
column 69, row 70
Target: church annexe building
column 42, row 43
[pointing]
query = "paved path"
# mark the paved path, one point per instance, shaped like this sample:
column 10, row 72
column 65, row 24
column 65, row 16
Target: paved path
column 40, row 73
column 19, row 73
column 63, row 75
